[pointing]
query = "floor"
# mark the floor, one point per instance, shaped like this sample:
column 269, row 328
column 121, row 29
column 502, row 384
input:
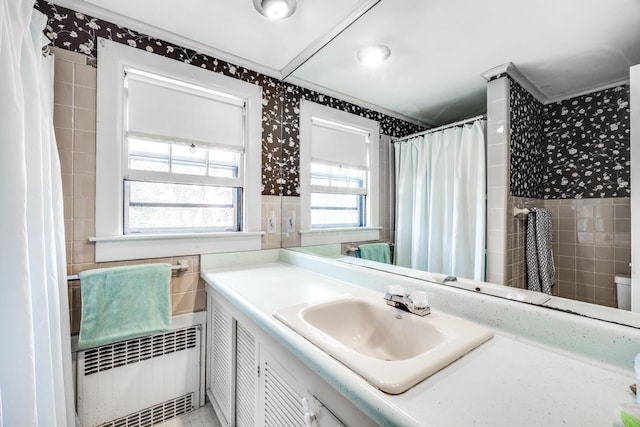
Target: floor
column 202, row 417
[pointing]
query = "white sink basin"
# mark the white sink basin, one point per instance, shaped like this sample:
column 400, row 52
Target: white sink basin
column 390, row 348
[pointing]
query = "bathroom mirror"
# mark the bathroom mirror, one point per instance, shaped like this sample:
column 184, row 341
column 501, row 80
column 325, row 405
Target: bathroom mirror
column 468, row 102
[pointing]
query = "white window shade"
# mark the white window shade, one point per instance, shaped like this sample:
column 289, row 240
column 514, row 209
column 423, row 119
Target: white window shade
column 337, row 144
column 159, row 109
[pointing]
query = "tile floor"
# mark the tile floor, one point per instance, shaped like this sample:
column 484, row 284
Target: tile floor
column 201, row 417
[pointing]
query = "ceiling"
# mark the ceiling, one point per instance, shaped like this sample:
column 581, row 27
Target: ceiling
column 439, row 48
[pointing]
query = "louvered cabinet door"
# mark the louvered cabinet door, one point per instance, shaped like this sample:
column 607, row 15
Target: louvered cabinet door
column 286, row 401
column 247, row 371
column 220, row 363
column 281, row 395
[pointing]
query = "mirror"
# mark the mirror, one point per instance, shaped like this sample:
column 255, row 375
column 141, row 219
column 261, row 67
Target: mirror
column 592, row 220
column 597, row 41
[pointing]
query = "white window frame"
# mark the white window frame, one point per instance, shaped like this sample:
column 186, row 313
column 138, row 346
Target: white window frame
column 371, row 230
column 111, row 243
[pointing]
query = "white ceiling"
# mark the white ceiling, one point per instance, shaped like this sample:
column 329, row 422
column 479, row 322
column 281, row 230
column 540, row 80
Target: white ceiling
column 439, row 48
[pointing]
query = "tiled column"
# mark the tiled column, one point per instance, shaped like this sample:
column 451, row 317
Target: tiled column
column 497, row 178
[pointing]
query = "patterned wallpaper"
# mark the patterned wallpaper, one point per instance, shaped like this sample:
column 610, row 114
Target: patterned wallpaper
column 78, row 32
column 527, row 148
column 583, row 149
column 588, row 145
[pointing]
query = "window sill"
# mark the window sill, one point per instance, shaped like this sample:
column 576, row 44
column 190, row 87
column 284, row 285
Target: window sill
column 120, row 248
column 325, row 236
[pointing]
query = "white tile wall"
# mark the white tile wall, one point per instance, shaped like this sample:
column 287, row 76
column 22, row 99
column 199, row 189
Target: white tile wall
column 497, row 178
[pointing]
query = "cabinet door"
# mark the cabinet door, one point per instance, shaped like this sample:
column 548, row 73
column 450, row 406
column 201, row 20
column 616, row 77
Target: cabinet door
column 318, row 414
column 247, row 371
column 287, row 402
column 220, row 349
column 232, row 366
column 281, row 395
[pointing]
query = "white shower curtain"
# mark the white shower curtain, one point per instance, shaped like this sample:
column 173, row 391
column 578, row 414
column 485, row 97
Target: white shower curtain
column 35, row 360
column 440, row 201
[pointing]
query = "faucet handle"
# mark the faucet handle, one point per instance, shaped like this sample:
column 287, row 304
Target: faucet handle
column 396, row 290
column 418, row 300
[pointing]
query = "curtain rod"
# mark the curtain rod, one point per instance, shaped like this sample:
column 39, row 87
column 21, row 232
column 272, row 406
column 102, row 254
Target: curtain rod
column 450, row 125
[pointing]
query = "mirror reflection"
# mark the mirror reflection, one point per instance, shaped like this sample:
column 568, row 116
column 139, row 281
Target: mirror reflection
column 554, row 162
column 558, row 213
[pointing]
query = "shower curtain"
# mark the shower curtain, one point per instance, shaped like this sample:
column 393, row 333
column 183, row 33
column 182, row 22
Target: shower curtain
column 440, row 201
column 35, row 360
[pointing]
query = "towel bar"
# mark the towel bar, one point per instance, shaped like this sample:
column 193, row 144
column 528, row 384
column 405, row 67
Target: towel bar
column 353, row 249
column 183, row 265
column 519, row 211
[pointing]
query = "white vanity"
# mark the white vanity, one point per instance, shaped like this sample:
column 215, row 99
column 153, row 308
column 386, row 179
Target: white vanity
column 542, row 367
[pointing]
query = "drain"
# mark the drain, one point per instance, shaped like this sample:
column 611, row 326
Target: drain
column 398, row 316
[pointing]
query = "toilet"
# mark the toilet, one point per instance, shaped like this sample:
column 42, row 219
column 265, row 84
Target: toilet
column 623, row 289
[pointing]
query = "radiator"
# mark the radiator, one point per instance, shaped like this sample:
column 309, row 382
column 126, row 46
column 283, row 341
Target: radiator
column 140, row 382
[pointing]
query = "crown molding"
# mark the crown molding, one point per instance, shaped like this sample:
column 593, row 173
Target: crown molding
column 512, row 71
column 515, row 74
column 603, row 86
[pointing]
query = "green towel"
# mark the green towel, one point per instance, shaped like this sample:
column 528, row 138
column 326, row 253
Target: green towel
column 375, row 252
column 124, row 302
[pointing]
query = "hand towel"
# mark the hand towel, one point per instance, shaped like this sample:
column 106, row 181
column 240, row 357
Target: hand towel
column 120, row 303
column 540, row 267
column 375, row 252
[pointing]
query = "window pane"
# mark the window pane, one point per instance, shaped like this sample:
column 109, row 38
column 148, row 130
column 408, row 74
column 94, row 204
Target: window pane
column 337, row 176
column 149, row 155
column 158, row 207
column 336, row 210
column 223, row 164
column 183, row 159
column 188, row 160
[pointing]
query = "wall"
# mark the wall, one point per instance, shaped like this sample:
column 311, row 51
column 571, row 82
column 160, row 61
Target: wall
column 498, row 155
column 592, row 243
column 572, row 157
column 74, row 36
column 74, row 119
column 588, row 150
column 527, row 150
column 577, row 148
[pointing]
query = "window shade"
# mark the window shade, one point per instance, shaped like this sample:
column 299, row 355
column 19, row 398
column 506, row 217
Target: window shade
column 338, row 144
column 159, row 108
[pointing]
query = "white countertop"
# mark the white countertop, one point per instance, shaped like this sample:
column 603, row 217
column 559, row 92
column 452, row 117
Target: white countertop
column 507, row 381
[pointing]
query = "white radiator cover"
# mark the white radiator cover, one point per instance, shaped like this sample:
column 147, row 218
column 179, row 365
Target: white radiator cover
column 140, row 382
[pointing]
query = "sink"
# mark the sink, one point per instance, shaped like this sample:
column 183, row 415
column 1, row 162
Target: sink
column 391, row 349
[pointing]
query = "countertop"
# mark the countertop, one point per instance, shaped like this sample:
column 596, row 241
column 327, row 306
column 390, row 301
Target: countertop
column 509, row 380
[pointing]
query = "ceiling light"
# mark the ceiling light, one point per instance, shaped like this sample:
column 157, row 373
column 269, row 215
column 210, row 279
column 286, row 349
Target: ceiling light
column 374, row 55
column 275, row 9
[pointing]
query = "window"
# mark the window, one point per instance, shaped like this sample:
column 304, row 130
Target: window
column 185, row 148
column 178, row 158
column 337, row 196
column 339, row 175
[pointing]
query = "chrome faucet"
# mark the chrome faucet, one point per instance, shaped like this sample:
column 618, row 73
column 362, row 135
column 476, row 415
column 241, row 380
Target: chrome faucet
column 415, row 302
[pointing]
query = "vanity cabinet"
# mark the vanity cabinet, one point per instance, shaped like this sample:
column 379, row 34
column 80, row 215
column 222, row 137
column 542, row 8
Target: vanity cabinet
column 232, row 366
column 253, row 381
column 286, row 401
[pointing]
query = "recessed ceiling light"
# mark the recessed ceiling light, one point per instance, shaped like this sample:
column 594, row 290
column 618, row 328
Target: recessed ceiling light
column 374, row 55
column 275, row 9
